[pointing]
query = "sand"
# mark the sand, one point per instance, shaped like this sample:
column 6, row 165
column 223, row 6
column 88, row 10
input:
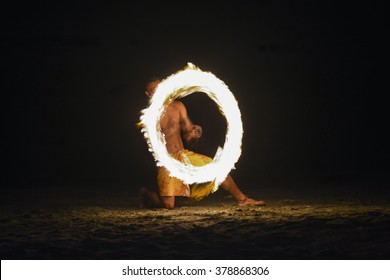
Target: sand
column 81, row 224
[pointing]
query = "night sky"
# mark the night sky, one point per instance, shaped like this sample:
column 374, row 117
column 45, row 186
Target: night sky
column 308, row 78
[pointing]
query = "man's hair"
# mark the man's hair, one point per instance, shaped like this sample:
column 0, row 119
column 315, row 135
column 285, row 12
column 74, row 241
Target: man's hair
column 153, row 78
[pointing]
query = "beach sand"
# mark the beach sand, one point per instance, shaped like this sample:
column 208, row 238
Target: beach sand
column 316, row 222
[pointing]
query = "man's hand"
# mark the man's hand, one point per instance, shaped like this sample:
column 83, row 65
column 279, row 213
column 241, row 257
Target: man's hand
column 192, row 137
column 196, row 131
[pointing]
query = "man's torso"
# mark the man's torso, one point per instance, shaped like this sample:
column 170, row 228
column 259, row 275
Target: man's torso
column 170, row 126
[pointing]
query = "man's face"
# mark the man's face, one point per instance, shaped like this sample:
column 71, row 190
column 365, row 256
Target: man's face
column 151, row 88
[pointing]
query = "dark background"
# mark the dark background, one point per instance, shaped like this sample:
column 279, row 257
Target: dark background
column 309, row 79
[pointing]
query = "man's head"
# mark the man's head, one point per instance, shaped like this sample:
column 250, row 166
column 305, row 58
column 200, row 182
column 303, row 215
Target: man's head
column 151, row 86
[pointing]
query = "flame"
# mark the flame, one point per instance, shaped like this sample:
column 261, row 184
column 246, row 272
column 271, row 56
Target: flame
column 183, row 83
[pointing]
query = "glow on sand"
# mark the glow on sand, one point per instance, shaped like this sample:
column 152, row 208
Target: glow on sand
column 183, row 83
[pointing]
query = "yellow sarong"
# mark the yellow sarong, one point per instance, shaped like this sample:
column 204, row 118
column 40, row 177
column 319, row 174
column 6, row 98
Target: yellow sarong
column 171, row 186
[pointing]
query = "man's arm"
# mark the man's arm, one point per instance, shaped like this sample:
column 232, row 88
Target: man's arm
column 191, row 133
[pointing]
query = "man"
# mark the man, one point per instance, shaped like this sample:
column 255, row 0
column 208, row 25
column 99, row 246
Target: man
column 176, row 126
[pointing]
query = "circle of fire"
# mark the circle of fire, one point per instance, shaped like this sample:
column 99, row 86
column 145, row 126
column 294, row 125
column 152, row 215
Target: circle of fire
column 183, row 83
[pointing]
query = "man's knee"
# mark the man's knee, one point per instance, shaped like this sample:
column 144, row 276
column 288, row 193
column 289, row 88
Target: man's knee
column 169, row 206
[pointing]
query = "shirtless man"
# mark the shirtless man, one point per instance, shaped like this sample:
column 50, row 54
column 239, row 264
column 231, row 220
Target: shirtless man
column 176, row 126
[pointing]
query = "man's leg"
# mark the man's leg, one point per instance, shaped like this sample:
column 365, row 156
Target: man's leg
column 228, row 185
column 150, row 199
column 231, row 187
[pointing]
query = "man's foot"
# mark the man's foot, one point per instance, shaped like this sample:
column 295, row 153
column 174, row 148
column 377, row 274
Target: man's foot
column 249, row 201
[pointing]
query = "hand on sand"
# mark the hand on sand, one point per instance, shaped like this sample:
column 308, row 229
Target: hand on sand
column 249, row 201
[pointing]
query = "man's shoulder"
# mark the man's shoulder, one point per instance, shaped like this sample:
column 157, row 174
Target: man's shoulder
column 178, row 104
